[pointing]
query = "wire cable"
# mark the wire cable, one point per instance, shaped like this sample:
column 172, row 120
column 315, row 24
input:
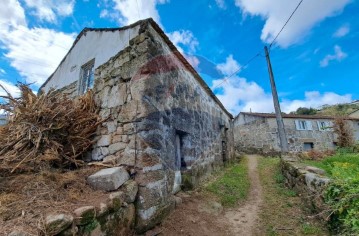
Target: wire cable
column 239, row 69
column 270, row 45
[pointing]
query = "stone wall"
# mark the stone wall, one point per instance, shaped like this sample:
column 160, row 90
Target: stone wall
column 114, row 215
column 256, row 137
column 162, row 123
column 260, row 135
column 308, row 181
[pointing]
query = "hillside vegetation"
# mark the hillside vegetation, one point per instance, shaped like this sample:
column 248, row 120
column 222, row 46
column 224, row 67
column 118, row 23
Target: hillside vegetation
column 340, row 109
column 329, row 110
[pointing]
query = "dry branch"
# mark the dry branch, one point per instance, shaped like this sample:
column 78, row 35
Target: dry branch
column 46, row 130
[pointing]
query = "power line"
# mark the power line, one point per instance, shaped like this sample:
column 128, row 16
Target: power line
column 270, row 45
column 239, row 69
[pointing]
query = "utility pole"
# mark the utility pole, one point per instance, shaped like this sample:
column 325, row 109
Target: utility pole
column 281, row 130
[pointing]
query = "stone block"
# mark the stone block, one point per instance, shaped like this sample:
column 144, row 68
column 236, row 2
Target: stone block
column 55, row 224
column 315, row 170
column 113, row 148
column 116, row 200
column 105, row 140
column 130, row 189
column 84, row 215
column 112, row 160
column 108, row 179
column 117, row 95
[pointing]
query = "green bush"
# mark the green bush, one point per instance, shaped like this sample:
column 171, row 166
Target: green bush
column 342, row 194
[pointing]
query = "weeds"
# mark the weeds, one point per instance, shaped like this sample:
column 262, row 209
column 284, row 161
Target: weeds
column 233, row 186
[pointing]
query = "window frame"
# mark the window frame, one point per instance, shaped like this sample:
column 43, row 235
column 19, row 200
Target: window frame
column 86, row 81
column 328, row 125
column 303, row 125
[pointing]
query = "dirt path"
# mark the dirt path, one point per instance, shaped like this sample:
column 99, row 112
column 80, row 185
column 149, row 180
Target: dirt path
column 245, row 218
column 200, row 215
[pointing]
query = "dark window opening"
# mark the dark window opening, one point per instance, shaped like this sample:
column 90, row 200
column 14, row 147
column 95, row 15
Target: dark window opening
column 180, row 161
column 224, row 151
column 308, row 146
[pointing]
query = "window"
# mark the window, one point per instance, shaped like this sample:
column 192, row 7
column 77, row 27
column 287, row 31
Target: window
column 87, row 76
column 303, row 125
column 324, row 125
column 308, row 146
column 180, row 161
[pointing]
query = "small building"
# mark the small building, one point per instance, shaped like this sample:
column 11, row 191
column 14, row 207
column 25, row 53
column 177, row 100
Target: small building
column 164, row 122
column 257, row 132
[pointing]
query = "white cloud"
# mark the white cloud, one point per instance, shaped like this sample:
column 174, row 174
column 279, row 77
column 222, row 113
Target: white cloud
column 2, row 71
column 183, row 38
column 315, row 99
column 338, row 55
column 275, row 14
column 134, row 10
column 49, row 9
column 11, row 15
column 238, row 94
column 342, row 31
column 11, row 88
column 229, row 67
column 33, row 52
column 221, row 4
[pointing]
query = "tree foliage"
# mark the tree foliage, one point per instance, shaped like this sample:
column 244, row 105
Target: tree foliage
column 305, row 111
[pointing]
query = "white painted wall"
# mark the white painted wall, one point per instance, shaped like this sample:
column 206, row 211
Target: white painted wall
column 101, row 45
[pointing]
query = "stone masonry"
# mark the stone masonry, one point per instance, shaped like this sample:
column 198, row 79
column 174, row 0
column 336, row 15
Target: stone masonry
column 163, row 122
column 258, row 133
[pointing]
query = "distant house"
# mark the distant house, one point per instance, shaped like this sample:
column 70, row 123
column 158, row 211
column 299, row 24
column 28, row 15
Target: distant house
column 257, row 132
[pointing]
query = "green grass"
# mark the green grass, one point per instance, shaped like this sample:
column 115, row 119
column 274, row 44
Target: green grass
column 342, row 193
column 329, row 163
column 233, row 185
column 283, row 212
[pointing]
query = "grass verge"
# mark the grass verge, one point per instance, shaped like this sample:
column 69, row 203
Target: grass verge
column 283, row 212
column 233, row 185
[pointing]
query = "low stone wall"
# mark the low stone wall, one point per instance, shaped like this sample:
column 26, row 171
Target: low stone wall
column 306, row 180
column 114, row 215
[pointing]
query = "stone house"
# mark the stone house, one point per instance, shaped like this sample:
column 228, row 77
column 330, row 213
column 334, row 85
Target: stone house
column 257, row 132
column 164, row 123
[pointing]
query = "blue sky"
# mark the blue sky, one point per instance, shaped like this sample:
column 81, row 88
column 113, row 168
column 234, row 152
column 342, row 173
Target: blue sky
column 315, row 59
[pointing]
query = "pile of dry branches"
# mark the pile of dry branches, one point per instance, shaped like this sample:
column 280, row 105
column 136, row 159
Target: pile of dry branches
column 46, row 130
